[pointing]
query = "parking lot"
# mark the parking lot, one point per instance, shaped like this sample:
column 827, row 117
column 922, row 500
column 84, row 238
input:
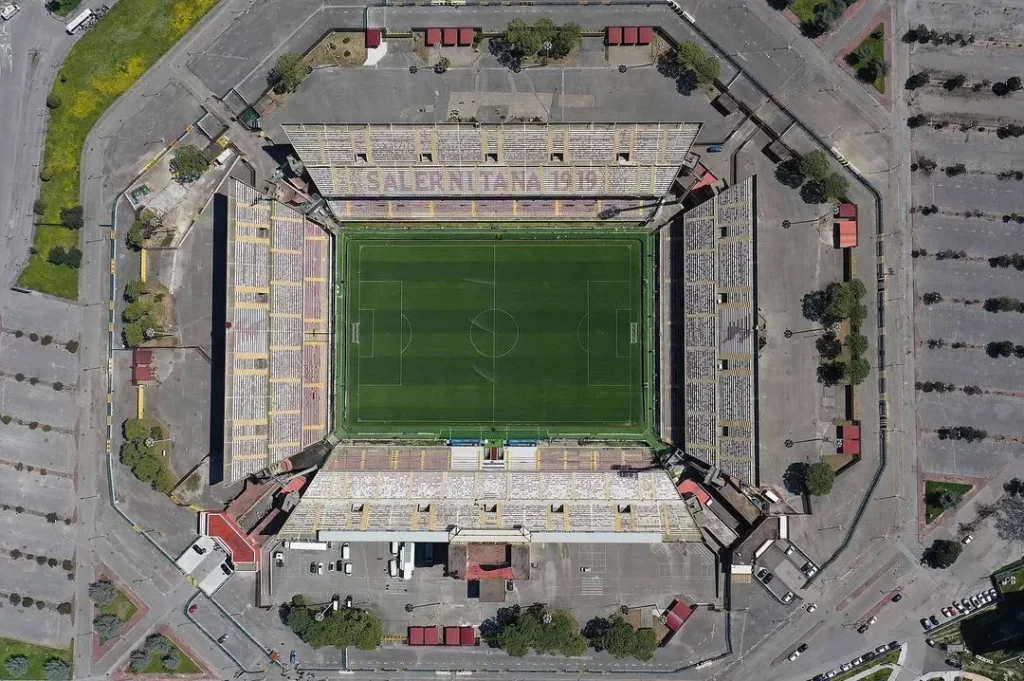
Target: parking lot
column 971, row 113
column 39, row 370
column 617, row 575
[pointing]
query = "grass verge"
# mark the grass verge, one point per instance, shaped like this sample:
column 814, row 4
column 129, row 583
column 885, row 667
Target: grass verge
column 804, row 9
column 121, row 607
column 933, row 489
column 37, row 656
column 872, row 50
column 187, row 666
column 885, row 658
column 107, row 60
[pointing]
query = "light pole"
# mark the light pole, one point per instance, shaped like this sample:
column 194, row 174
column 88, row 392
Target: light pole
column 547, row 51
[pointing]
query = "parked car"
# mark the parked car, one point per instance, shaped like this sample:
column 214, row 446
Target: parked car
column 198, row 549
column 946, row 612
column 312, row 568
column 893, row 645
column 768, row 578
column 394, row 548
column 348, row 601
column 192, row 608
column 925, row 623
column 788, row 597
column 348, row 568
column 9, row 11
column 338, row 566
column 222, row 638
column 319, row 568
column 872, row 620
column 830, row 673
column 845, row 667
column 870, row 655
column 225, row 569
column 346, row 551
column 584, row 569
column 953, row 662
column 330, row 566
column 968, row 539
column 293, row 657
column 795, row 654
column 930, row 642
column 279, row 559
column 934, row 620
column 856, row 661
column 812, row 607
column 881, row 649
column 897, row 597
column 761, row 573
column 715, row 149
column 508, row 585
column 802, row 648
column 789, row 550
column 992, row 592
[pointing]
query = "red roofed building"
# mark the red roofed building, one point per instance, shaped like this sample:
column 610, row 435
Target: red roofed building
column 645, row 36
column 677, row 615
column 451, row 636
column 846, row 234
column 850, row 447
column 141, row 356
column 430, row 636
column 849, row 435
column 846, row 211
column 687, row 487
column 415, row 636
column 451, row 37
column 245, row 553
column 142, row 374
column 373, row 37
column 466, row 36
column 433, row 36
column 467, row 636
column 613, row 35
column 629, row 35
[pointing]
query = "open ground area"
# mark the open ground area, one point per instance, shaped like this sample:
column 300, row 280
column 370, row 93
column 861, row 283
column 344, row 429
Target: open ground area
column 530, row 337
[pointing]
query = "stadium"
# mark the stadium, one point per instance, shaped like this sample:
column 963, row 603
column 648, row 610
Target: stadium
column 486, row 332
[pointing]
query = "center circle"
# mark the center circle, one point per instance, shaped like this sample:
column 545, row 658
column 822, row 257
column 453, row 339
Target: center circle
column 494, row 333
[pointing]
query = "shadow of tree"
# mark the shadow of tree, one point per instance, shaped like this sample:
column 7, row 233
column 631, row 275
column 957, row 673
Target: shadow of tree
column 794, row 479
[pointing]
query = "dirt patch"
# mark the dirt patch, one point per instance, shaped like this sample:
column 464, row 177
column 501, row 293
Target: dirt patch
column 338, row 48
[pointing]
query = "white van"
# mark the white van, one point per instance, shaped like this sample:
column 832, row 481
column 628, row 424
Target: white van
column 393, row 567
column 394, row 548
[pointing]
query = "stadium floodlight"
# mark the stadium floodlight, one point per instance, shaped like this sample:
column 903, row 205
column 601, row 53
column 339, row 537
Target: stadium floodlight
column 547, row 48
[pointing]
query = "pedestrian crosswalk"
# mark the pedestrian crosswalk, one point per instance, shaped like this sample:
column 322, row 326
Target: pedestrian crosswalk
column 592, row 586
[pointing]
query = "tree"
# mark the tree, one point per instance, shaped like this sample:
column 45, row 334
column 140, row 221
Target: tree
column 64, row 608
column 57, row 669
column 102, row 592
column 1010, row 521
column 107, row 626
column 931, row 298
column 790, row 173
column 565, row 40
column 820, row 478
column 53, row 101
column 17, row 665
column 188, row 164
column 942, row 554
column 1013, row 84
column 15, row 599
column 171, row 661
column 619, row 638
column 704, row 66
column 835, row 186
column 442, row 65
column 926, row 165
column 138, row 660
column 828, row 345
column 815, row 165
column 856, row 370
column 39, row 206
column 521, row 39
column 288, row 73
column 954, row 82
column 814, row 192
column 158, row 644
column 917, row 120
column 856, row 343
column 917, row 80
column 342, row 628
column 72, row 218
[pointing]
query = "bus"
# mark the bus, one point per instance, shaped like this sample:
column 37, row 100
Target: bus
column 80, row 19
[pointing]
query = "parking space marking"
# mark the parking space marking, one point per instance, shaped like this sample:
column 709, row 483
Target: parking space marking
column 592, row 586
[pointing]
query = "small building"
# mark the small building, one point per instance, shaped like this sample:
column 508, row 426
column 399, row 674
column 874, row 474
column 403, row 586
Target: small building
column 467, row 636
column 466, row 36
column 452, row 636
column 415, row 636
column 142, row 357
column 142, row 374
column 778, row 152
column 845, row 211
column 433, row 37
column 677, row 615
column 374, row 37
column 848, row 439
column 451, row 37
column 645, row 35
column 846, row 234
column 726, row 104
column 613, row 35
column 629, row 35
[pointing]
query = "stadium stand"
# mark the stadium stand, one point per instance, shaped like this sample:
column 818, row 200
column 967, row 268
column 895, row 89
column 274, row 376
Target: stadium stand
column 277, row 360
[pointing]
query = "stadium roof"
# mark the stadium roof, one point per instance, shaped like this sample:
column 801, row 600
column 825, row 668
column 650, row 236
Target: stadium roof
column 719, row 329
column 623, row 506
column 454, row 160
column 277, row 356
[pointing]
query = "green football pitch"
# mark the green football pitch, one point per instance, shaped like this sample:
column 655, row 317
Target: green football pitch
column 524, row 337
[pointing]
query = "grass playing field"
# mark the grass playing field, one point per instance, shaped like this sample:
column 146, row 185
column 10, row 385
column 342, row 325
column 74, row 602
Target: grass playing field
column 511, row 337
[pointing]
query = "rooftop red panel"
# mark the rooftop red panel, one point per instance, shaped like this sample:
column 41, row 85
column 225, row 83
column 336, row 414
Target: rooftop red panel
column 415, row 636
column 851, row 431
column 850, row 447
column 373, row 37
column 645, row 35
column 142, row 374
column 451, row 636
column 847, row 210
column 141, row 356
column 451, row 37
column 466, row 36
column 678, row 615
column 691, row 487
column 430, row 637
column 433, row 36
column 614, row 35
column 224, row 527
column 629, row 35
column 467, row 636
